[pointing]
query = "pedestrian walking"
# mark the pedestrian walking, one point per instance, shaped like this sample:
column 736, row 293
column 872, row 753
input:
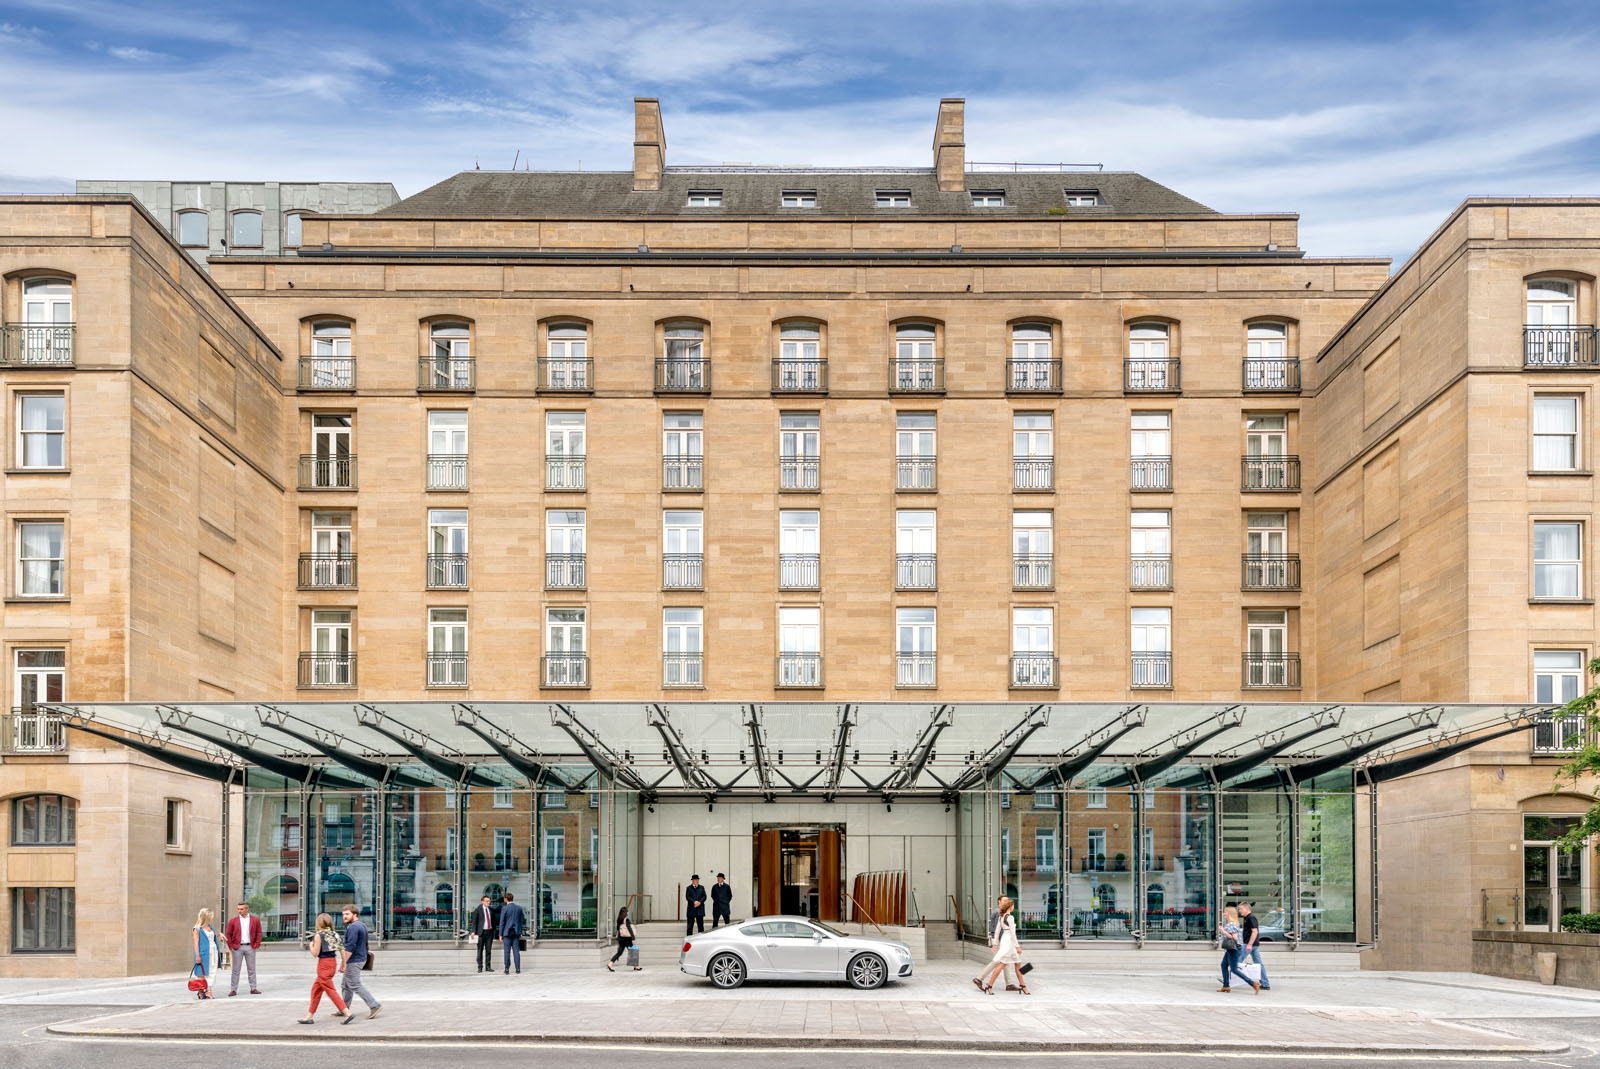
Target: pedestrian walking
column 485, row 922
column 627, row 935
column 721, row 901
column 994, row 943
column 1008, row 951
column 1228, row 932
column 356, row 953
column 512, row 926
column 204, row 945
column 324, row 949
column 1250, row 942
column 695, row 896
column 243, row 936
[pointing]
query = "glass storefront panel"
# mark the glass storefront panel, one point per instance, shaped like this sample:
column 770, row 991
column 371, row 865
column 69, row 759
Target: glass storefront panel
column 973, row 835
column 1031, row 858
column 1258, row 857
column 344, row 855
column 424, row 865
column 619, row 859
column 1101, row 884
column 566, row 861
column 1176, row 863
column 1327, row 866
column 272, row 854
column 499, row 852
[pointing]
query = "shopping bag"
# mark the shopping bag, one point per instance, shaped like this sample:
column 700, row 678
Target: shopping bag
column 633, row 956
column 1251, row 971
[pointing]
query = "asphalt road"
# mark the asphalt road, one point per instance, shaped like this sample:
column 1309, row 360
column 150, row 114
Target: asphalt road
column 24, row 1044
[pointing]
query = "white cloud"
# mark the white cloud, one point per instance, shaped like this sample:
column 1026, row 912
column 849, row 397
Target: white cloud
column 136, row 55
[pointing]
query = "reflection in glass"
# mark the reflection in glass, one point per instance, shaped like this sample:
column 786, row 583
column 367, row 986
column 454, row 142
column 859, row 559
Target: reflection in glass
column 422, row 866
column 272, row 862
column 1327, row 867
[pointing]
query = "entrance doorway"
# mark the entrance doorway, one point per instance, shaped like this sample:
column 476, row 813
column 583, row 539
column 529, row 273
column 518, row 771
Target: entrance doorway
column 1553, row 882
column 798, row 870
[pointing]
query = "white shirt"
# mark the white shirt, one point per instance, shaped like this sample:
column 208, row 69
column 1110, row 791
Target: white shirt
column 244, row 929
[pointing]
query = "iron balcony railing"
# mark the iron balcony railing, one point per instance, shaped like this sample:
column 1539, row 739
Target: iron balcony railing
column 916, row 473
column 799, row 670
column 1272, row 376
column 1150, row 571
column 916, row 669
column 1270, row 473
column 327, row 373
column 33, row 731
column 799, row 376
column 565, row 570
column 1033, row 376
column 1271, row 571
column 447, row 669
column 685, row 471
column 799, row 473
column 683, row 376
column 683, row 670
column 564, row 669
column 447, row 374
column 318, row 472
column 1559, row 347
column 799, row 571
column 1032, row 571
column 1560, row 734
column 327, row 571
column 1033, row 473
column 916, row 571
column 564, row 473
column 566, row 376
column 327, row 669
column 1152, row 670
column 37, row 345
column 1150, row 474
column 1268, row 670
column 916, row 376
column 683, row 571
column 1152, row 376
column 1033, row 670
column 447, row 571
column 447, row 471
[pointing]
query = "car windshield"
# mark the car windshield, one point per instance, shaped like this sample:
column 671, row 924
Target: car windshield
column 824, row 927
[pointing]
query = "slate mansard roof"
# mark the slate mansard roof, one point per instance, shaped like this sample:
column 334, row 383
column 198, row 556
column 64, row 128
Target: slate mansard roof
column 757, row 192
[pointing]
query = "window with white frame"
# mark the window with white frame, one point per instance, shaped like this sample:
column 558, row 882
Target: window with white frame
column 682, row 456
column 1266, row 341
column 565, row 452
column 246, row 230
column 1148, row 847
column 502, row 798
column 447, row 647
column 1151, row 548
column 1557, row 676
column 565, row 644
column 1096, row 798
column 1095, row 840
column 1046, row 800
column 567, row 357
column 799, row 647
column 1032, row 451
column 914, row 342
column 685, row 366
column 799, row 549
column 1555, row 432
column 916, row 654
column 704, row 198
column 1150, row 451
column 799, row 450
column 1045, row 858
column 1151, row 647
column 682, row 658
column 915, row 549
column 555, row 849
column 1033, row 364
column 799, row 198
column 41, row 559
column 193, row 229
column 41, row 430
column 177, row 824
column 685, row 342
column 1032, row 550
column 799, row 358
column 1558, row 560
column 449, row 849
column 893, row 198
column 915, row 457
column 1267, row 647
column 449, row 365
column 1033, row 662
column 330, row 366
column 1148, row 352
column 505, row 851
column 594, row 847
column 292, row 229
column 447, row 547
column 988, row 198
column 564, row 540
column 447, row 450
column 449, row 798
column 553, row 798
column 1005, row 840
column 1081, row 198
column 1266, row 434
column 683, row 548
column 1552, row 302
column 331, row 339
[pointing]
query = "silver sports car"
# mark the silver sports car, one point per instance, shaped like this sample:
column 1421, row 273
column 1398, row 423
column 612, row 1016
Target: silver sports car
column 792, row 948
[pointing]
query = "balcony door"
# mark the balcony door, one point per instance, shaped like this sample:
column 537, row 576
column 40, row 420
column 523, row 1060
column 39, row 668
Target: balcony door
column 330, row 443
column 1266, row 543
column 47, row 300
column 330, row 641
column 1266, row 436
column 799, row 549
column 1267, row 641
column 914, row 642
column 1551, row 303
column 41, row 676
column 447, row 647
column 682, row 631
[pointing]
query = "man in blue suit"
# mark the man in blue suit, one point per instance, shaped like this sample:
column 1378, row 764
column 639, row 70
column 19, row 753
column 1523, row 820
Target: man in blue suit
column 511, row 928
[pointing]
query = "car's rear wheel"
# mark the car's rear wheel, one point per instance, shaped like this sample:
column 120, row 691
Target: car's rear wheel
column 726, row 971
column 866, row 972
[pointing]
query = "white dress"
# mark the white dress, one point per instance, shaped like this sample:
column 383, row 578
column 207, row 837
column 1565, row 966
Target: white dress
column 1007, row 952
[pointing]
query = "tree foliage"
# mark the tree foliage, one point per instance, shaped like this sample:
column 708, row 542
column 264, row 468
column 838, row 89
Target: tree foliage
column 1584, row 763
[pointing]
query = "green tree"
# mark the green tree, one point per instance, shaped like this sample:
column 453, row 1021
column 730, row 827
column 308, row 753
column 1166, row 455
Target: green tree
column 1585, row 762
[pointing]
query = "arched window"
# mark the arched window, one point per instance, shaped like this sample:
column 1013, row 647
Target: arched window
column 246, row 230
column 448, row 365
column 44, row 820
column 567, row 360
column 1266, row 341
column 915, row 341
column 1148, row 341
column 330, row 339
column 916, row 359
column 292, row 231
column 444, row 898
column 1155, row 898
column 1150, row 366
column 1552, row 302
column 800, row 365
column 451, row 340
column 800, row 341
column 45, row 336
column 1106, row 896
column 194, row 229
column 330, row 366
column 1030, row 341
column 1032, row 365
column 685, row 341
column 47, row 300
column 685, row 366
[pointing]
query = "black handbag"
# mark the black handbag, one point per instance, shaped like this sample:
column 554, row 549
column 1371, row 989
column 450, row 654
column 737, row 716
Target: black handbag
column 1230, row 943
column 1025, row 968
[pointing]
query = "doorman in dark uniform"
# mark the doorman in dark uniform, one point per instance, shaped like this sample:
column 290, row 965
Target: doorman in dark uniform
column 696, row 897
column 721, row 901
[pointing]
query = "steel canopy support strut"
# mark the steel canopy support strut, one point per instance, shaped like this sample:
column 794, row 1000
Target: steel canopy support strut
column 605, row 760
column 1093, row 745
column 1388, row 770
column 1272, row 743
column 1187, row 741
column 905, row 776
column 682, row 758
column 215, row 766
column 439, row 757
column 503, row 743
column 841, row 741
column 758, row 750
column 328, row 743
column 238, row 744
column 995, row 757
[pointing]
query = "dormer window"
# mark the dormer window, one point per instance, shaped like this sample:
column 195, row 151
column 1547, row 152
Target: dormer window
column 894, row 198
column 988, row 198
column 705, row 198
column 1082, row 198
column 799, row 198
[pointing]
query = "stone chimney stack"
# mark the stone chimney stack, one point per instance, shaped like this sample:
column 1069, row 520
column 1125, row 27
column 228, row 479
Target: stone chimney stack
column 950, row 145
column 649, row 143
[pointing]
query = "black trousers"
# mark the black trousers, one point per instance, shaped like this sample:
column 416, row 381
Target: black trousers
column 623, row 943
column 720, row 912
column 694, row 919
column 485, row 952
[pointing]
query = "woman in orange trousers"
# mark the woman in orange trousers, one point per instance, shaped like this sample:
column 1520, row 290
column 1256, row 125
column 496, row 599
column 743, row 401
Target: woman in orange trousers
column 325, row 948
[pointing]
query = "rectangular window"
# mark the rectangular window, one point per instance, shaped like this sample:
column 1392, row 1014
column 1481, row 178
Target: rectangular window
column 447, row 648
column 564, row 453
column 682, row 656
column 1096, row 856
column 800, row 647
column 1555, row 433
column 705, row 198
column 564, row 554
column 505, row 857
column 1558, row 561
column 682, row 456
column 799, row 550
column 1266, row 435
column 1032, row 451
column 683, row 549
column 1032, row 553
column 40, row 676
column 1148, row 846
column 894, row 198
column 41, row 559
column 1046, row 800
column 177, row 824
column 916, row 654
column 449, row 798
column 988, row 198
column 1096, row 798
column 1151, row 548
column 1081, row 198
column 43, row 919
column 916, row 563
column 447, row 548
column 799, row 450
column 1151, row 451
column 1044, row 850
column 41, row 430
column 1152, row 647
column 555, row 849
column 449, row 849
column 1557, row 676
column 502, row 798
column 915, row 450
column 447, row 450
column 799, row 198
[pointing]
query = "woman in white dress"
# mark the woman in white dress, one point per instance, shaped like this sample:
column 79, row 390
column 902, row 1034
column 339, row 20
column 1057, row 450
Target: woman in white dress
column 1007, row 950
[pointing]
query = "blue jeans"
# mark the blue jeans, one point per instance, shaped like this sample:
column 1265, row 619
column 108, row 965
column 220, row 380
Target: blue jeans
column 513, row 950
column 1255, row 956
column 1230, row 968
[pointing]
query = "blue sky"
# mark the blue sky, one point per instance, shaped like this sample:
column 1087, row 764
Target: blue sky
column 1370, row 119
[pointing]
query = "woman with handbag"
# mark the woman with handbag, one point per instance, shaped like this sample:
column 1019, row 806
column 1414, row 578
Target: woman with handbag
column 325, row 947
column 626, row 935
column 1229, row 931
column 1008, row 951
column 203, row 941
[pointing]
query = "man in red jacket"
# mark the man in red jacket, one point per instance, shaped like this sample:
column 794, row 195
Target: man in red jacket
column 243, row 934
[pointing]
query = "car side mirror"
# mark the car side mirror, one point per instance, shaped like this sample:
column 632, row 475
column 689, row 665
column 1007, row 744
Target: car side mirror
column 816, row 937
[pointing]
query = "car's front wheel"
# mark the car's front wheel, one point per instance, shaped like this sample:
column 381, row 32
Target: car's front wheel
column 726, row 971
column 866, row 972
